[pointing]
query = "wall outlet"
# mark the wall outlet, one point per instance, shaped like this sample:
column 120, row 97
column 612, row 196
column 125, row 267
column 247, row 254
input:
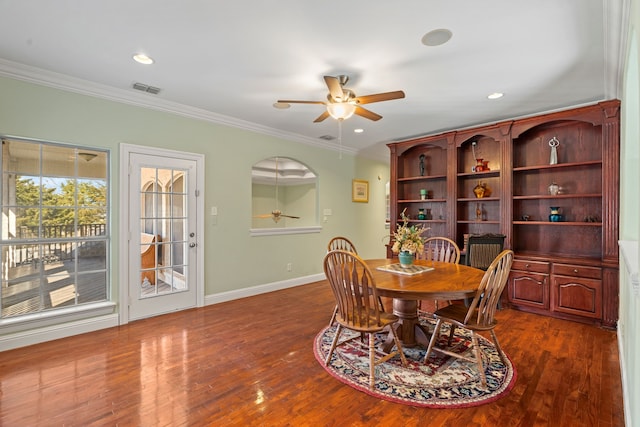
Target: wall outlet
column 289, row 266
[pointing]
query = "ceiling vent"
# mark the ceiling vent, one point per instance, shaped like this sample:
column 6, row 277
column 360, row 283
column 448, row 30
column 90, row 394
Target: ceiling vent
column 327, row 137
column 146, row 88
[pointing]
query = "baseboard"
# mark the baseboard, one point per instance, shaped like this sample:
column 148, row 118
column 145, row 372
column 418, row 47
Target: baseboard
column 261, row 289
column 626, row 399
column 54, row 332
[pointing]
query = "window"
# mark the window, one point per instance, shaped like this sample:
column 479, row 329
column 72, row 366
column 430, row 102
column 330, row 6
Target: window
column 54, row 233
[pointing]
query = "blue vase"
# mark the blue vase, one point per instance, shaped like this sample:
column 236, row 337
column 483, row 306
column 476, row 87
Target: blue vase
column 406, row 259
column 555, row 215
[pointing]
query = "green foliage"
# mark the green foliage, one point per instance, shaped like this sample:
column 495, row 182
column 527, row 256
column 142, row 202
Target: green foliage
column 60, row 203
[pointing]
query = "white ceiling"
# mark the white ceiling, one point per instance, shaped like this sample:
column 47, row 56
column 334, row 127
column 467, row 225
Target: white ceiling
column 229, row 61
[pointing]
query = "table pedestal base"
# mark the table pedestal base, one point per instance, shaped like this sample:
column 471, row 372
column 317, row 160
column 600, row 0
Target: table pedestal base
column 410, row 332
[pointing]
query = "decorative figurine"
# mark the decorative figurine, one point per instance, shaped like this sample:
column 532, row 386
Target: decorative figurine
column 554, row 189
column 553, row 143
column 422, row 156
column 423, row 194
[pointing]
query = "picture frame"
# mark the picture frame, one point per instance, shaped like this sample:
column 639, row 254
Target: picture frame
column 360, row 191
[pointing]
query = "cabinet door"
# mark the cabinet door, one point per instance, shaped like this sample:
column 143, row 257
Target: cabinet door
column 577, row 295
column 529, row 289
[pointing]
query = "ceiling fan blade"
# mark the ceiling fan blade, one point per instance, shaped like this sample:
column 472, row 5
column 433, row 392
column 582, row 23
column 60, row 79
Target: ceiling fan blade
column 263, row 216
column 378, row 97
column 335, row 89
column 289, row 101
column 321, row 117
column 363, row 112
column 289, row 216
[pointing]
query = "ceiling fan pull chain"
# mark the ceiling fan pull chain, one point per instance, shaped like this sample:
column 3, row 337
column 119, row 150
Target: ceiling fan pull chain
column 340, row 137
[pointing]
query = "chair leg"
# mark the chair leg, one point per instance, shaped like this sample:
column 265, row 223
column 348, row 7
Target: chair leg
column 333, row 316
column 333, row 345
column 434, row 338
column 398, row 345
column 451, row 333
column 497, row 344
column 478, row 351
column 372, row 361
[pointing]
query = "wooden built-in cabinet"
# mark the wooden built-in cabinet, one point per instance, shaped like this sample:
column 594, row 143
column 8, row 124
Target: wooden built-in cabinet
column 566, row 268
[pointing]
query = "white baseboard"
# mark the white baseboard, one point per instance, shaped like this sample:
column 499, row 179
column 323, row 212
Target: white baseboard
column 626, row 399
column 261, row 289
column 54, row 332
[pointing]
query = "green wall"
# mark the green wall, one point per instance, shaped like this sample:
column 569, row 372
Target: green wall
column 32, row 111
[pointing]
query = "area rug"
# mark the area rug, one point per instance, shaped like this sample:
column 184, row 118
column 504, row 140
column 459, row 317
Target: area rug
column 443, row 382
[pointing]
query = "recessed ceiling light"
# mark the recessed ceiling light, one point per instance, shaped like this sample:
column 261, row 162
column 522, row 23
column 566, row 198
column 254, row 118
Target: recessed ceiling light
column 281, row 105
column 495, row 95
column 437, row 37
column 141, row 58
column 358, row 130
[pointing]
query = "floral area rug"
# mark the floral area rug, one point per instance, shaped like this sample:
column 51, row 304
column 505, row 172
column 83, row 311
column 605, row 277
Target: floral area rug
column 443, row 382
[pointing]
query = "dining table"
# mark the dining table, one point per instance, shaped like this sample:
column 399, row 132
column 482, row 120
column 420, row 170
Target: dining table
column 424, row 280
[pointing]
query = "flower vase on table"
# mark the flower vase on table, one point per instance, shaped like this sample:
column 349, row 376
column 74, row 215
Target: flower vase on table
column 405, row 258
column 408, row 241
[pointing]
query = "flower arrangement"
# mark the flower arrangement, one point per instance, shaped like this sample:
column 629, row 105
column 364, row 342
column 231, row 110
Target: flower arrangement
column 408, row 238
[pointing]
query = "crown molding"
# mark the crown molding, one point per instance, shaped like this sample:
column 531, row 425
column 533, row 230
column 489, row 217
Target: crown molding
column 63, row 82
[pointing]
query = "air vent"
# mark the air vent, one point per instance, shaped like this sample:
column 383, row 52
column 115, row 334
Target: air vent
column 327, row 137
column 146, row 88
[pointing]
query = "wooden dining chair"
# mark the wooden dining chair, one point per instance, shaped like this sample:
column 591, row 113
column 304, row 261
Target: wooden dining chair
column 342, row 243
column 479, row 316
column 440, row 249
column 356, row 295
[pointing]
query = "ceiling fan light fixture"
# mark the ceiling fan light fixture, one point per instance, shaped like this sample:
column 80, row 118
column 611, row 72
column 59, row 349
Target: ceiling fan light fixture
column 141, row 58
column 341, row 110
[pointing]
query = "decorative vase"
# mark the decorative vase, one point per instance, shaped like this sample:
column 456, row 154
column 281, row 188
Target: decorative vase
column 405, row 258
column 481, row 190
column 421, row 214
column 423, row 194
column 555, row 215
column 428, row 215
column 554, row 189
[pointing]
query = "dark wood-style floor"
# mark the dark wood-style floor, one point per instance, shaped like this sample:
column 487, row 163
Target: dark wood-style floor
column 250, row 362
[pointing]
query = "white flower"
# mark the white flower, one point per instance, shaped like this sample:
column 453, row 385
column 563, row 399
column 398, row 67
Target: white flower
column 408, row 238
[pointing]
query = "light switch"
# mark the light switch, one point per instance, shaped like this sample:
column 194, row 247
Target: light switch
column 328, row 212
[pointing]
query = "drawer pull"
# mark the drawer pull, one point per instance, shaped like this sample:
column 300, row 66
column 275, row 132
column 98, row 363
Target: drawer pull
column 526, row 266
column 575, row 270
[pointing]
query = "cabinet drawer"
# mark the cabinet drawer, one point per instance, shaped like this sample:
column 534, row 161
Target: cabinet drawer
column 532, row 266
column 577, row 271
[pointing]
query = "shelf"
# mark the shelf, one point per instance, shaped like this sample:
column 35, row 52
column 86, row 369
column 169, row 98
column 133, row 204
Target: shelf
column 473, row 221
column 422, row 178
column 422, row 201
column 485, row 174
column 560, row 223
column 559, row 196
column 557, row 166
column 421, row 221
column 475, row 199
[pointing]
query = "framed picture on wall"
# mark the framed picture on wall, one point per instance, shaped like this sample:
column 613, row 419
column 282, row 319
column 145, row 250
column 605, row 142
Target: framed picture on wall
column 360, row 191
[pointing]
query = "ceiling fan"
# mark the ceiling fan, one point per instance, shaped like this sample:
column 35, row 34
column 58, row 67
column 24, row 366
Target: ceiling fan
column 276, row 214
column 342, row 103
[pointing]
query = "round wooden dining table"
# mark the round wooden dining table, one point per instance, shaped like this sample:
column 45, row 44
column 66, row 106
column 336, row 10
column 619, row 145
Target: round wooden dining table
column 442, row 281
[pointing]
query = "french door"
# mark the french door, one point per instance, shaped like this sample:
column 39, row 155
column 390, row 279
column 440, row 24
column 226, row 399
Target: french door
column 162, row 243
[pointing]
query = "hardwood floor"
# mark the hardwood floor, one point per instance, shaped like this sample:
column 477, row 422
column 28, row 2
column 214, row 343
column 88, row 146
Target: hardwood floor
column 250, row 362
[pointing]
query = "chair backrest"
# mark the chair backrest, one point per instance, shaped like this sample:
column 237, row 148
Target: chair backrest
column 491, row 287
column 341, row 243
column 440, row 249
column 483, row 249
column 354, row 289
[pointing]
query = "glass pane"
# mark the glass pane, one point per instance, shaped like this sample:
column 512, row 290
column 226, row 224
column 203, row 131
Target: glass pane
column 21, row 286
column 27, row 191
column 58, row 191
column 92, row 164
column 92, row 221
column 59, row 290
column 20, row 223
column 164, row 254
column 22, row 296
column 58, row 161
column 178, row 233
column 92, row 192
column 178, row 205
column 178, row 254
column 92, row 256
column 178, row 183
column 21, row 157
column 58, row 222
column 92, row 287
